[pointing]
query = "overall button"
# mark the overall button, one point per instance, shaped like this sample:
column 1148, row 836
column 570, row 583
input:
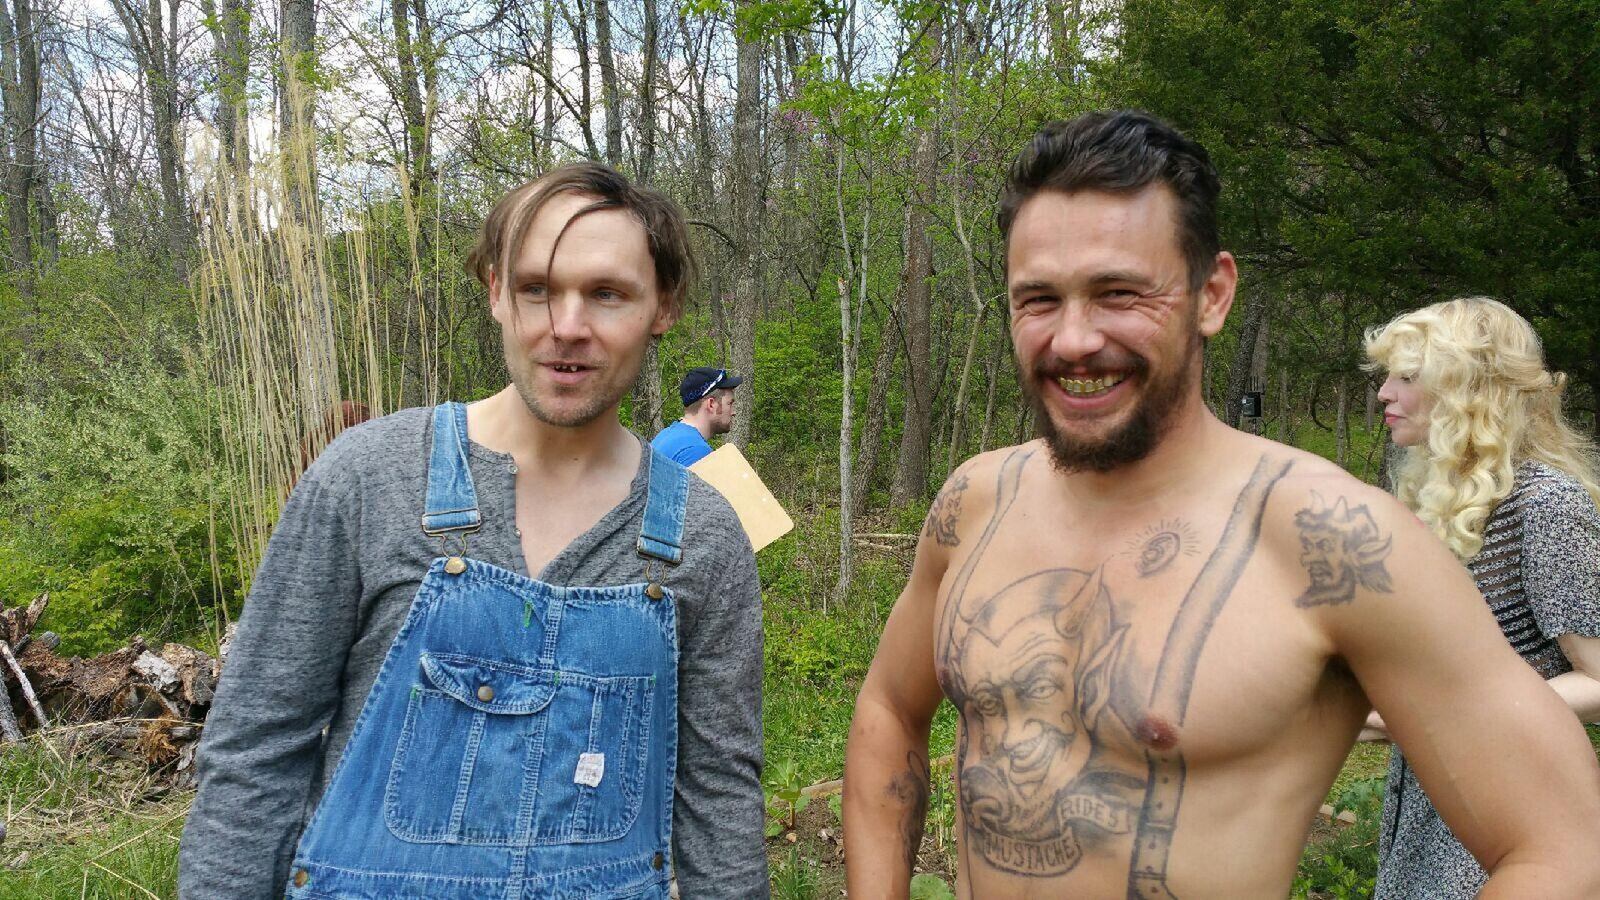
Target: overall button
column 653, row 590
column 300, row 876
column 455, row 565
column 658, row 861
column 485, row 693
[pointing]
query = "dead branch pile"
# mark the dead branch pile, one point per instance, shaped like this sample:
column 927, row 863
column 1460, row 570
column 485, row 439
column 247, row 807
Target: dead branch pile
column 139, row 702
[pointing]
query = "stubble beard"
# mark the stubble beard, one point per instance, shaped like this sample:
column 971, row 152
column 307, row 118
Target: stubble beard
column 603, row 396
column 1133, row 440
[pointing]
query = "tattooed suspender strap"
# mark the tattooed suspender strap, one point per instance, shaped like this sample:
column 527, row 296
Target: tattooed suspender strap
column 1006, row 489
column 1169, row 697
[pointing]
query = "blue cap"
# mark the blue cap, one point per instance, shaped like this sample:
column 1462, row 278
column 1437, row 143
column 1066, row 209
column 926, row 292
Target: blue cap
column 702, row 380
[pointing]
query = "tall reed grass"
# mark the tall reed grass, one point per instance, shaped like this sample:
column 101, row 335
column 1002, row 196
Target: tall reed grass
column 296, row 318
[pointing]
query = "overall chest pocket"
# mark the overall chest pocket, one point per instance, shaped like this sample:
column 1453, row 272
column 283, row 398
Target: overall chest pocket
column 494, row 753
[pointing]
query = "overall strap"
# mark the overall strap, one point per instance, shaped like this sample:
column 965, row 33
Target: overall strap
column 452, row 504
column 661, row 536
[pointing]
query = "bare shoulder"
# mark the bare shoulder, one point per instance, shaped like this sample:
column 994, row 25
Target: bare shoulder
column 970, row 493
column 1342, row 536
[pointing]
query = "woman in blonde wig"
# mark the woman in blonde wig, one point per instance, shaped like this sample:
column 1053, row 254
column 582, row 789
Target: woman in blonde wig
column 1496, row 472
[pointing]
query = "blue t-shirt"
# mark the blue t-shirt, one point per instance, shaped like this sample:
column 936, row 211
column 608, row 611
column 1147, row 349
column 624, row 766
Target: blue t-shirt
column 681, row 443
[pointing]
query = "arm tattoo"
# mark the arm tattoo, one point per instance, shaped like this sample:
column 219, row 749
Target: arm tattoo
column 1039, row 673
column 1157, row 546
column 910, row 789
column 946, row 512
column 1341, row 549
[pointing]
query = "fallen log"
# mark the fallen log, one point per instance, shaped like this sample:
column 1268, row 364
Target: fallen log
column 136, row 702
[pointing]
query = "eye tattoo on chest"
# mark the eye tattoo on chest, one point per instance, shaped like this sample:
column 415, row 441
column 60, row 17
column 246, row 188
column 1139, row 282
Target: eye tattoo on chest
column 1060, row 750
column 1159, row 545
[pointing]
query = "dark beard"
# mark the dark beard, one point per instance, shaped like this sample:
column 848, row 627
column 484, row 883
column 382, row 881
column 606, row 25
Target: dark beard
column 1133, row 441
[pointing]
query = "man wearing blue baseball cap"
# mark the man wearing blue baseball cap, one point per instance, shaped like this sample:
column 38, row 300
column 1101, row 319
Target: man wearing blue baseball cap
column 707, row 395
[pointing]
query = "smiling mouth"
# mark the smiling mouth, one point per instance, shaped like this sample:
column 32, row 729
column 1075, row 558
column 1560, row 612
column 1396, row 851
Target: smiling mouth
column 1089, row 387
column 564, row 367
column 1032, row 756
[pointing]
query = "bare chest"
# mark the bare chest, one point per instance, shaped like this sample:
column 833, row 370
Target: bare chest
column 1093, row 676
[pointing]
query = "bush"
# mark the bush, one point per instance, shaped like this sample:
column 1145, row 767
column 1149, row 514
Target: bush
column 1345, row 867
column 107, row 503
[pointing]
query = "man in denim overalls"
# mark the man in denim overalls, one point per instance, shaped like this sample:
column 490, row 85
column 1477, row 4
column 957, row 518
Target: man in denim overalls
column 502, row 650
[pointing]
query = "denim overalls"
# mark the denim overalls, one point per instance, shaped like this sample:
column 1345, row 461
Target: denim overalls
column 521, row 738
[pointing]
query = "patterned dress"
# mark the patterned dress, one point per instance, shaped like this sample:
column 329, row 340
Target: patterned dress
column 1539, row 570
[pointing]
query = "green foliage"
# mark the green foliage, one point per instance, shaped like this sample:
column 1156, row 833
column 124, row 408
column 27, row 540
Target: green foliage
column 1345, row 866
column 785, row 799
column 108, row 502
column 796, row 878
column 930, row 887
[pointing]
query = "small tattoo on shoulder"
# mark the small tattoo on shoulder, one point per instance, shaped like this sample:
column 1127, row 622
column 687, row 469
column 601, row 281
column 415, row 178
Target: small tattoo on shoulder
column 1341, row 549
column 1154, row 549
column 946, row 512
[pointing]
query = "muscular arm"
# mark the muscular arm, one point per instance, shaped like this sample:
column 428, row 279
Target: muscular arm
column 886, row 762
column 1503, row 760
column 1579, row 689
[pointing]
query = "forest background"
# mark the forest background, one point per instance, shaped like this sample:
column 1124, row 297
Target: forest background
column 224, row 217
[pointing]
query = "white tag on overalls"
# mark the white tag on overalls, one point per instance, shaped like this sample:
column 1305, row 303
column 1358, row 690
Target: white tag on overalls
column 591, row 768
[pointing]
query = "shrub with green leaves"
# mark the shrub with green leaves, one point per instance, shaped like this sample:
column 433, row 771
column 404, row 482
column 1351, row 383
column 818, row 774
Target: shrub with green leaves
column 108, row 501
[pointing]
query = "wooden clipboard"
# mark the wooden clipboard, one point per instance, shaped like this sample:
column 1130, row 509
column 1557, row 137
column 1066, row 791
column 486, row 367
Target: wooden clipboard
column 727, row 470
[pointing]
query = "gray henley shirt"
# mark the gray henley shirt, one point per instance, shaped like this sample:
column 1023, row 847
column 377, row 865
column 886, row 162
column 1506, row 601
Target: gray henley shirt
column 332, row 591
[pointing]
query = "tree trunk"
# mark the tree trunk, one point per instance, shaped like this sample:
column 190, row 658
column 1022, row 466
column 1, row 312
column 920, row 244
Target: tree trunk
column 49, row 224
column 747, row 219
column 841, row 589
column 647, row 389
column 232, row 56
column 1285, row 410
column 19, row 56
column 610, row 93
column 981, row 310
column 412, row 113
column 168, row 136
column 647, row 93
column 1255, row 312
column 547, row 146
column 992, row 370
column 579, row 27
column 296, row 103
column 911, row 473
column 1341, row 426
column 870, row 448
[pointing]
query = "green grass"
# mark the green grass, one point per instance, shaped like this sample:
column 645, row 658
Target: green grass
column 81, row 826
column 1363, row 456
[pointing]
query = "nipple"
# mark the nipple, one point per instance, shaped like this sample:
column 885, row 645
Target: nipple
column 1156, row 733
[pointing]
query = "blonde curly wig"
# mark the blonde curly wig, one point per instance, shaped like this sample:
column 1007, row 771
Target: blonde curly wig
column 1494, row 406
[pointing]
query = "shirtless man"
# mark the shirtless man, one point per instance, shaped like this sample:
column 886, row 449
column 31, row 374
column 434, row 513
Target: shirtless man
column 1162, row 635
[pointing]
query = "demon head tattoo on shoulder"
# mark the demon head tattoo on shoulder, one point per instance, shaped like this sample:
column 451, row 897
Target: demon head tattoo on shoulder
column 1341, row 549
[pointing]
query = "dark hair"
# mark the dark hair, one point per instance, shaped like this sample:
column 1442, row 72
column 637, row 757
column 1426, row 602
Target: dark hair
column 506, row 226
column 1122, row 152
